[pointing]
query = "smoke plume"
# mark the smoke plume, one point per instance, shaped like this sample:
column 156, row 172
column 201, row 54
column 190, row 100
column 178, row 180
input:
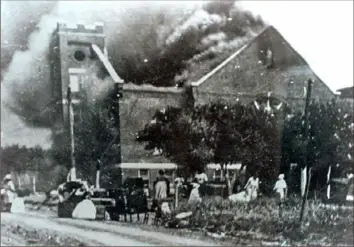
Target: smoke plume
column 148, row 43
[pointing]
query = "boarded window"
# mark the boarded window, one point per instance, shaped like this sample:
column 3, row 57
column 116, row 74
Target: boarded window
column 74, row 83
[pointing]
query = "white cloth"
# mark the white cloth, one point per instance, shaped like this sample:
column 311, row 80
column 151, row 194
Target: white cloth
column 18, row 206
column 350, row 198
column 240, row 197
column 85, row 210
column 165, row 208
column 201, row 177
column 280, row 187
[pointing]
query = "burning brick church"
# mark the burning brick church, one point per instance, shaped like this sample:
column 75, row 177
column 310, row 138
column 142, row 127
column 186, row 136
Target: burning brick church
column 266, row 64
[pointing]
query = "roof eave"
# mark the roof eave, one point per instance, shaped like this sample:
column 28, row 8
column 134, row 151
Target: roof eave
column 104, row 60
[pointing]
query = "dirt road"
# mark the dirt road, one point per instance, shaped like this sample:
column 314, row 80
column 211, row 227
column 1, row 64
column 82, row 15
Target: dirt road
column 34, row 228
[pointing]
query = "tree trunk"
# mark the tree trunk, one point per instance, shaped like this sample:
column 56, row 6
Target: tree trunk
column 19, row 182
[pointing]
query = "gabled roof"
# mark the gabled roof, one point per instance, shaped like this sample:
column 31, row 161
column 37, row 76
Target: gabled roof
column 225, row 62
column 242, row 49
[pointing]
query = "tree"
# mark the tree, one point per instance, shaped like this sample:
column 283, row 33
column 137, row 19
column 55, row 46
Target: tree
column 216, row 133
column 329, row 142
column 95, row 134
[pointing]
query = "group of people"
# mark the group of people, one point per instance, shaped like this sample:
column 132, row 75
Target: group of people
column 251, row 188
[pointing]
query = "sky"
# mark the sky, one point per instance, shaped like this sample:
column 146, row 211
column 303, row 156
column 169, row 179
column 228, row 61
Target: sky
column 323, row 35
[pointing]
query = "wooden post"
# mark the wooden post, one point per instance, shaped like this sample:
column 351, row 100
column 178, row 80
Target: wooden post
column 305, row 196
column 72, row 139
column 176, row 196
column 306, row 129
column 329, row 182
column 98, row 179
column 34, row 184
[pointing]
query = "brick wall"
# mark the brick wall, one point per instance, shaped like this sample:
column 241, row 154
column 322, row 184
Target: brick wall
column 247, row 74
column 137, row 107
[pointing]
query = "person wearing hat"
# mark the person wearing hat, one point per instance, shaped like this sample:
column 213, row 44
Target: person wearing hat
column 10, row 191
column 281, row 190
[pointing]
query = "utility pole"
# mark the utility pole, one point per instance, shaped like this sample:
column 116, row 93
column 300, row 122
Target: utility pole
column 115, row 109
column 306, row 137
column 71, row 134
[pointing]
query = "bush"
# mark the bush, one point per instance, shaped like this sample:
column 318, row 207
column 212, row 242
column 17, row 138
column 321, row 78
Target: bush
column 261, row 217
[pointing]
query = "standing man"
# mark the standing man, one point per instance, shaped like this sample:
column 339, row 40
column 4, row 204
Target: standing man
column 281, row 191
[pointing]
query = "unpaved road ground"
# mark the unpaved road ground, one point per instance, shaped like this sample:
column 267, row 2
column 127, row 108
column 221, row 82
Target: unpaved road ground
column 43, row 229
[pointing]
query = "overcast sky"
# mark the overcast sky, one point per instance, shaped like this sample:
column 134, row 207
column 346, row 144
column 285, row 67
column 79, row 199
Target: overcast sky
column 321, row 31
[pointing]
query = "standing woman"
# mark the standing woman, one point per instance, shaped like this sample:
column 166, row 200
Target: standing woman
column 10, row 192
column 252, row 187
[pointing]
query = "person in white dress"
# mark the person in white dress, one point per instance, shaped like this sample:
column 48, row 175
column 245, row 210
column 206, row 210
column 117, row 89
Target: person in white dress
column 194, row 197
column 252, row 187
column 9, row 190
column 280, row 188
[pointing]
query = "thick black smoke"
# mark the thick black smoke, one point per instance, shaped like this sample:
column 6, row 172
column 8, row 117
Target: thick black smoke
column 152, row 42
column 212, row 28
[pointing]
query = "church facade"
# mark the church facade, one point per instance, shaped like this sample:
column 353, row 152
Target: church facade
column 267, row 65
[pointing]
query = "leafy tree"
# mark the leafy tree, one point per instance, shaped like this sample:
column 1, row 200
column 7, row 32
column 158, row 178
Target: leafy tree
column 96, row 137
column 329, row 141
column 218, row 133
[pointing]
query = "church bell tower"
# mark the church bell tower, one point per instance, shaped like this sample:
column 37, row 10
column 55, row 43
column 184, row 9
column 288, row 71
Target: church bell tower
column 73, row 62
